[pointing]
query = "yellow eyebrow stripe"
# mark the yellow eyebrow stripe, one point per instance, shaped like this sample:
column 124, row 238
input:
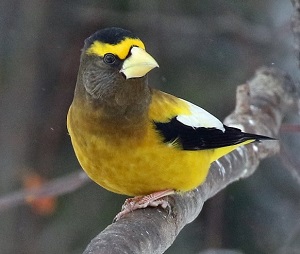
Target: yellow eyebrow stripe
column 120, row 49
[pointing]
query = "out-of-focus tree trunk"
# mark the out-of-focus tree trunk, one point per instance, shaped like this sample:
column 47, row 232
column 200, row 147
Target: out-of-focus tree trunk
column 24, row 21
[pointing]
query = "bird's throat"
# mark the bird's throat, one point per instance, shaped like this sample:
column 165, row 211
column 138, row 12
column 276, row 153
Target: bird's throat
column 125, row 103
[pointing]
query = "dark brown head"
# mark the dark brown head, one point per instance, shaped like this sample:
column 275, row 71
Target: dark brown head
column 112, row 60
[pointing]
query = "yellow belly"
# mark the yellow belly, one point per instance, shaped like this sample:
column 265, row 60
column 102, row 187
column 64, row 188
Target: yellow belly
column 134, row 166
column 140, row 172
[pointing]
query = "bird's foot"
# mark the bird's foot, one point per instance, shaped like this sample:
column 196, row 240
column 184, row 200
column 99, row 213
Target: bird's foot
column 153, row 200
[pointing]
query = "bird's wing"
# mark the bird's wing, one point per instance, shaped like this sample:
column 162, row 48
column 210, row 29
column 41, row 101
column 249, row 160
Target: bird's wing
column 191, row 127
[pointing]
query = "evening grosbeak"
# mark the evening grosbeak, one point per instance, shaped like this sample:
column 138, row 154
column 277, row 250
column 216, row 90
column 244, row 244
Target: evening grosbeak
column 133, row 139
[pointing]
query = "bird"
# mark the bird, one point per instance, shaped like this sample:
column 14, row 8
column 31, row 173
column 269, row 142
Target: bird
column 133, row 139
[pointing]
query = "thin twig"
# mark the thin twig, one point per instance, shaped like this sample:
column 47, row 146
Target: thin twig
column 52, row 188
column 290, row 128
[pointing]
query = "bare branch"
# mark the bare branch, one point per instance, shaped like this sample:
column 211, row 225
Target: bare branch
column 290, row 128
column 52, row 188
column 268, row 95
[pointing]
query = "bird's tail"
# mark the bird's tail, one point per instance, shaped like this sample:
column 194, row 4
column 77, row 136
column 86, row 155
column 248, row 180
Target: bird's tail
column 240, row 140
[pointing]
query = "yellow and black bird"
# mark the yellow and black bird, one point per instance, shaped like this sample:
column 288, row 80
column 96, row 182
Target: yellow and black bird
column 133, row 139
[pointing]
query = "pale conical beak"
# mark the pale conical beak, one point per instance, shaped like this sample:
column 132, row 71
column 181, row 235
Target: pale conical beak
column 138, row 64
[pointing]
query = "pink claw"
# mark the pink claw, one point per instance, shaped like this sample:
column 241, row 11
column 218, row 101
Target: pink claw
column 153, row 200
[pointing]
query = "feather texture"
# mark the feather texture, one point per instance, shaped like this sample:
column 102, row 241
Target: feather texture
column 135, row 140
column 189, row 138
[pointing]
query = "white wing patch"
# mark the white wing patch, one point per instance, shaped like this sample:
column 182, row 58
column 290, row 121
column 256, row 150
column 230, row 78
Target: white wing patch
column 200, row 118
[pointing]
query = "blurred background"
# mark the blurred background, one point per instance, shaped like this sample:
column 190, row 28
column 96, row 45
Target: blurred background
column 204, row 49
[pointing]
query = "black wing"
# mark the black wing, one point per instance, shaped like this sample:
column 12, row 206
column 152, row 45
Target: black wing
column 190, row 138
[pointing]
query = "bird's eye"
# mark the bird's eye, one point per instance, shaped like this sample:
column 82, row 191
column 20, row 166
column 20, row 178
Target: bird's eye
column 109, row 58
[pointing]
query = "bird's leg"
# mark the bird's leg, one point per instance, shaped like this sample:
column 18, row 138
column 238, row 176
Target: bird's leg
column 154, row 199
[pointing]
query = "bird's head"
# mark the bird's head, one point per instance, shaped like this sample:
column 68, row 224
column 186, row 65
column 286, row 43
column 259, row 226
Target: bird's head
column 113, row 55
column 120, row 50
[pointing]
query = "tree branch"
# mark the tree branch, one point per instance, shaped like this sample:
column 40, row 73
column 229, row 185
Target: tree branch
column 56, row 187
column 261, row 106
